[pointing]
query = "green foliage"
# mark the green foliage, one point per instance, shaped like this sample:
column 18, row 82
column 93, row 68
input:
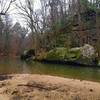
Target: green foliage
column 85, row 3
column 90, row 5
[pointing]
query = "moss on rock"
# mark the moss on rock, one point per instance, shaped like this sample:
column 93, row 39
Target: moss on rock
column 57, row 54
column 73, row 54
column 82, row 55
column 63, row 54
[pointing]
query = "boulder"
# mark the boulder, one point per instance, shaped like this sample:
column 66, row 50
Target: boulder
column 57, row 54
column 87, row 51
column 63, row 54
column 81, row 55
column 87, row 55
column 28, row 54
column 73, row 54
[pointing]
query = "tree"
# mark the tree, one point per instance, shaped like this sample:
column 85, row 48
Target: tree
column 5, row 6
column 97, row 3
column 21, row 35
column 4, row 24
column 26, row 10
column 6, row 33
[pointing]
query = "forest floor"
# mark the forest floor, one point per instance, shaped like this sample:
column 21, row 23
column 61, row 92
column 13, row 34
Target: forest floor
column 43, row 87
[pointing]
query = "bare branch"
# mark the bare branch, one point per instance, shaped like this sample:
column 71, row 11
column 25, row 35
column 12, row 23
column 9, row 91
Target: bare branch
column 5, row 6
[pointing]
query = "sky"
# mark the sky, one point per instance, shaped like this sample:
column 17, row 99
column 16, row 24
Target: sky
column 15, row 17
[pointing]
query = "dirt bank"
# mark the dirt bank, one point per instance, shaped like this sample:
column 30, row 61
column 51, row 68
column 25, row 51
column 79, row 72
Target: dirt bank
column 42, row 87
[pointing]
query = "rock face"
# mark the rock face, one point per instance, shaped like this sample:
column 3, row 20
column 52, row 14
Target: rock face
column 80, row 55
column 63, row 54
column 87, row 55
column 57, row 54
column 73, row 54
column 28, row 54
column 87, row 51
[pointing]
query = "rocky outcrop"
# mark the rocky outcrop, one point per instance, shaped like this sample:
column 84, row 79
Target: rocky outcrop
column 80, row 55
column 88, row 56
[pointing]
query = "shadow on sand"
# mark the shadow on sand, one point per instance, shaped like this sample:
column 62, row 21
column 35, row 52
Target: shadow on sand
column 5, row 77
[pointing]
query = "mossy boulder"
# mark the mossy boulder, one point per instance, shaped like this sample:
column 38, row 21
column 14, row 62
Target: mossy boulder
column 56, row 54
column 63, row 54
column 85, row 61
column 73, row 54
column 82, row 55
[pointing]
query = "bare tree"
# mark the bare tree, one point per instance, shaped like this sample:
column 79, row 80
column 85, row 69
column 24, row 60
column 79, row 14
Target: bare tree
column 26, row 10
column 5, row 6
column 5, row 24
column 21, row 32
column 98, row 26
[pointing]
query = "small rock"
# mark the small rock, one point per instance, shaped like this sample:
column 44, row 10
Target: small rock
column 91, row 90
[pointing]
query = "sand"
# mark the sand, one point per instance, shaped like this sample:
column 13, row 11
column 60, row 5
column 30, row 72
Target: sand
column 43, row 87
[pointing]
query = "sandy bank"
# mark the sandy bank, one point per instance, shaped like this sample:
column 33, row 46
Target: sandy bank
column 42, row 87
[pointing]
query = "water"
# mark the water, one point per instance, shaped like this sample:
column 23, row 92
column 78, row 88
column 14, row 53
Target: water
column 15, row 66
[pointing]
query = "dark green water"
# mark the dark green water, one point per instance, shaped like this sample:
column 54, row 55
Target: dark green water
column 8, row 66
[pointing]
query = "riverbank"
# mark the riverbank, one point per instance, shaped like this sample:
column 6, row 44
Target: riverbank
column 42, row 87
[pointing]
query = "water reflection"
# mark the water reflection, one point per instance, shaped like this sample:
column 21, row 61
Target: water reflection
column 11, row 66
column 25, row 68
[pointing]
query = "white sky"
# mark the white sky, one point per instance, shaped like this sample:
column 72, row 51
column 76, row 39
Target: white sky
column 17, row 18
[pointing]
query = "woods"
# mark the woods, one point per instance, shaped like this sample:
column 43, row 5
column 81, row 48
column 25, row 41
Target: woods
column 56, row 23
column 43, row 40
